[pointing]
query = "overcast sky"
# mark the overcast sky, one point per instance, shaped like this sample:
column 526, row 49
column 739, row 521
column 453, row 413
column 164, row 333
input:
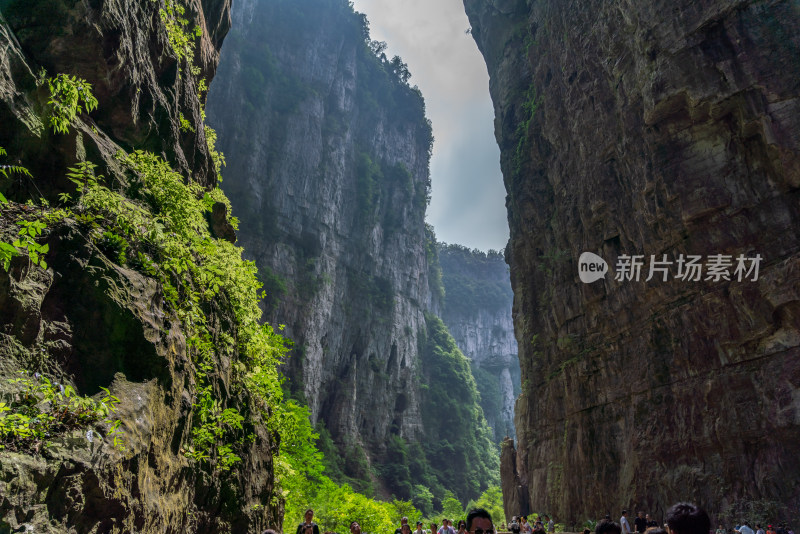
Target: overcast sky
column 468, row 198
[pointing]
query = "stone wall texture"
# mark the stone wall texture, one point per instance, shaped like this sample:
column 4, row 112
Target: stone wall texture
column 651, row 128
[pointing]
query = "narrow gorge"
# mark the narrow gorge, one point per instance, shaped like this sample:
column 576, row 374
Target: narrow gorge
column 221, row 304
column 328, row 150
column 477, row 311
column 139, row 391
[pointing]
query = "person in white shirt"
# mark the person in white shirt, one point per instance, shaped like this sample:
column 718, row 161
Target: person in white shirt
column 745, row 529
column 626, row 527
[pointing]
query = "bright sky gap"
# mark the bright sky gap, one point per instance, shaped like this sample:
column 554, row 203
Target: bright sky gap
column 468, row 197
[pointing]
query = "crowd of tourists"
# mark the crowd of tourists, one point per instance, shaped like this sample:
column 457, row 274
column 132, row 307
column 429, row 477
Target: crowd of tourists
column 521, row 525
column 478, row 521
column 681, row 518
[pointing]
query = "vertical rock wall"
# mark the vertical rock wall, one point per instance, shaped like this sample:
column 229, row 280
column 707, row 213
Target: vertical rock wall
column 91, row 320
column 328, row 168
column 651, row 128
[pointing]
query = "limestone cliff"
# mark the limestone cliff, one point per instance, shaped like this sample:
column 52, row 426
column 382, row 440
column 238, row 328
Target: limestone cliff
column 651, row 128
column 106, row 292
column 329, row 173
column 477, row 311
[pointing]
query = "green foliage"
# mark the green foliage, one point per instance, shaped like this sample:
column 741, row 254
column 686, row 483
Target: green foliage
column 491, row 500
column 531, row 102
column 114, row 246
column 42, row 410
column 474, row 280
column 163, row 228
column 368, row 179
column 458, row 446
column 186, row 126
column 69, row 96
column 181, row 39
column 422, row 498
column 451, row 507
column 435, row 277
column 491, row 398
column 336, row 506
column 7, row 253
column 274, row 288
column 6, row 171
column 82, row 176
column 217, row 157
column 28, row 233
column 394, row 469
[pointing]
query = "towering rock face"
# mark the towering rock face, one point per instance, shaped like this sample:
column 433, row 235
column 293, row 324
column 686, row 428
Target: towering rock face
column 328, row 168
column 98, row 312
column 477, row 311
column 651, row 128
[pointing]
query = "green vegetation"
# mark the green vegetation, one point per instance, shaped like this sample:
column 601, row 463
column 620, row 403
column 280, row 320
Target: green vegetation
column 69, row 97
column 435, row 281
column 29, row 230
column 274, row 288
column 531, row 102
column 155, row 221
column 474, row 279
column 42, row 410
column 491, row 399
column 458, row 446
column 492, row 501
column 181, row 39
column 368, row 178
column 7, row 171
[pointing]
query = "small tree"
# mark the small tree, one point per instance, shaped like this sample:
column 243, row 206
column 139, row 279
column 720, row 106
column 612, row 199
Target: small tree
column 451, row 507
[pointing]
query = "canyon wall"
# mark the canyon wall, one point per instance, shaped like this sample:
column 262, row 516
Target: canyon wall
column 663, row 129
column 329, row 176
column 477, row 311
column 103, row 314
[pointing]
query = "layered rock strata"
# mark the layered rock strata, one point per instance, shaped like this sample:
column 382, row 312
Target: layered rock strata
column 658, row 129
